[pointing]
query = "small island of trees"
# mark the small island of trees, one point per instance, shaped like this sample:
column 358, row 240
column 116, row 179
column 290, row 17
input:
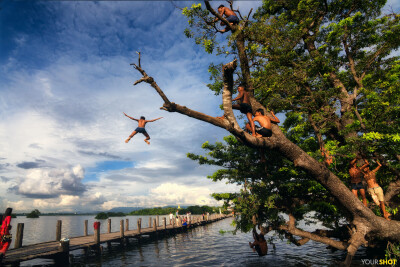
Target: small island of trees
column 106, row 215
column 34, row 214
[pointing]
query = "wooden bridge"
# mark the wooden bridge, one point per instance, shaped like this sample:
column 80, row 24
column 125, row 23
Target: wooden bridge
column 59, row 249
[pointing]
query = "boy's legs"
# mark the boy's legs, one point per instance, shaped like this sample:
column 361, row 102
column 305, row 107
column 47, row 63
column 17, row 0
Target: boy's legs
column 253, row 128
column 384, row 212
column 364, row 199
column 374, row 196
column 248, row 128
column 147, row 138
column 129, row 138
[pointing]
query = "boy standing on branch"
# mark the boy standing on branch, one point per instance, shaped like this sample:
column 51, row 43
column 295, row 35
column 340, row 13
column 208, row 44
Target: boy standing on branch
column 374, row 189
column 356, row 180
column 140, row 129
column 245, row 106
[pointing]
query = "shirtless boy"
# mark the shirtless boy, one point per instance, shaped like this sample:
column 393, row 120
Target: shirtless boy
column 231, row 17
column 140, row 129
column 356, row 180
column 259, row 244
column 245, row 106
column 265, row 123
column 374, row 189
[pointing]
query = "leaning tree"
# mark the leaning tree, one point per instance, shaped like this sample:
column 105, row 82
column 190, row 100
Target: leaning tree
column 330, row 66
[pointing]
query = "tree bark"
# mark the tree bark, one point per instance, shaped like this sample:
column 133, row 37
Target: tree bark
column 367, row 223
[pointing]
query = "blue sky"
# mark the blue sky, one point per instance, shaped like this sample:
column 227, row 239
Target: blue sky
column 65, row 81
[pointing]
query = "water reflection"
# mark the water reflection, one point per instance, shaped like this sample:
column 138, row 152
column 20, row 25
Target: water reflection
column 202, row 246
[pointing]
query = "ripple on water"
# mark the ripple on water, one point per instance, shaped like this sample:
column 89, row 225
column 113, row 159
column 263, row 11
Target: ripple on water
column 206, row 246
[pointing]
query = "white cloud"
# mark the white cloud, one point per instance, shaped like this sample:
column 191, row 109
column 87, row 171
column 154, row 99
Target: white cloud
column 65, row 87
column 50, row 182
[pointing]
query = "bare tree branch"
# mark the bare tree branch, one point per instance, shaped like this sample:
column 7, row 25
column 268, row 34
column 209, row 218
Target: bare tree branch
column 247, row 19
column 368, row 221
column 351, row 60
column 291, row 229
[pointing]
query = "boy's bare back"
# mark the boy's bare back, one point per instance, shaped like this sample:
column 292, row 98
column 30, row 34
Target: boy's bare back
column 142, row 123
column 226, row 11
column 263, row 120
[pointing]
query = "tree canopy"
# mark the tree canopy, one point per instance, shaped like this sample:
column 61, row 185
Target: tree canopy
column 332, row 67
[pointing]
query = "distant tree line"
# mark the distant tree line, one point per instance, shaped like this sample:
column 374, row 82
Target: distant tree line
column 105, row 215
column 162, row 211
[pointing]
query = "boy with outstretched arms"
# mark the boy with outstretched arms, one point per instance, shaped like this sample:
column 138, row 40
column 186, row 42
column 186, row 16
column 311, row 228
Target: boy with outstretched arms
column 140, row 129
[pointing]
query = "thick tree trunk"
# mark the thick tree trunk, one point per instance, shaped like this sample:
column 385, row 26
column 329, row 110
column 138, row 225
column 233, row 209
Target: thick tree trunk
column 367, row 223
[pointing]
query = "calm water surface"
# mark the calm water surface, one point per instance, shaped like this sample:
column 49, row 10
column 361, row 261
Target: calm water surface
column 202, row 246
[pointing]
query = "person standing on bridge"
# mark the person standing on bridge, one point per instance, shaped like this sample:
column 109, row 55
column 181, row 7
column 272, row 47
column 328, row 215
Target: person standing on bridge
column 5, row 236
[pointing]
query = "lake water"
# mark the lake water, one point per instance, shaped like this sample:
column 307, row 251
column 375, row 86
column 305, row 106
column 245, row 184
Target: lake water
column 201, row 246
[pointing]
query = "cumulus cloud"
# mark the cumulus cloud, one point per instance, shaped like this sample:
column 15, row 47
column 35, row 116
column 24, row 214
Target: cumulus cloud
column 65, row 87
column 166, row 194
column 50, row 183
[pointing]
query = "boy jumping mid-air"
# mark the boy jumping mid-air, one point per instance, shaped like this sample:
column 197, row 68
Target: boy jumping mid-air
column 140, row 129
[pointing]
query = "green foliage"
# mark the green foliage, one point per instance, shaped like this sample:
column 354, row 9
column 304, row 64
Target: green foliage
column 101, row 216
column 330, row 67
column 154, row 211
column 393, row 251
column 106, row 215
column 266, row 186
column 199, row 18
column 34, row 214
column 167, row 210
column 222, row 232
